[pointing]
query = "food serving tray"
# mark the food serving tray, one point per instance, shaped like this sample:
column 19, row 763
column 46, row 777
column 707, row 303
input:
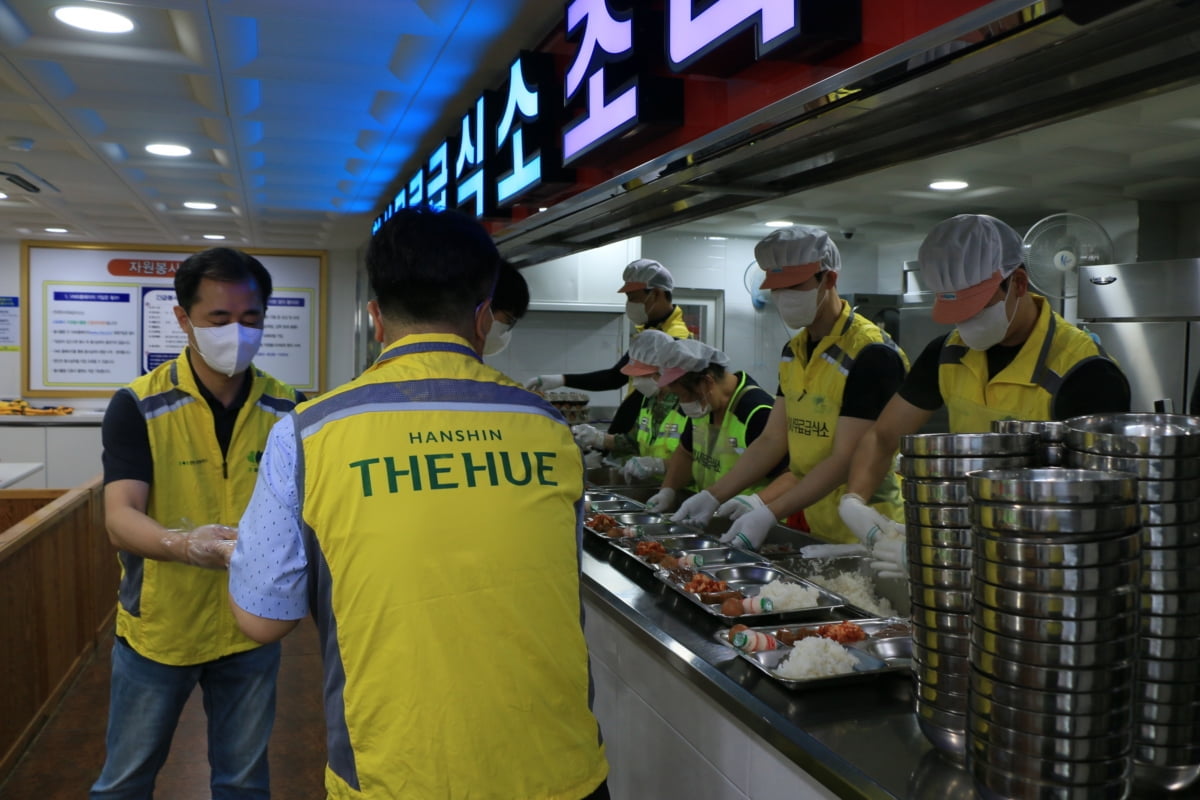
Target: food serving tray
column 887, row 648
column 699, row 550
column 749, row 579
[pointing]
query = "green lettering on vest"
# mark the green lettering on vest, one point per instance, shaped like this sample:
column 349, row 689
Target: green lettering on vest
column 434, row 471
column 543, row 468
column 508, row 475
column 364, row 467
column 489, row 467
column 413, row 472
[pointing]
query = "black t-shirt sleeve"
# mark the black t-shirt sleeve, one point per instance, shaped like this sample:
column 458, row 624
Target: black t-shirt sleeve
column 876, row 375
column 126, row 441
column 601, row 380
column 787, row 352
column 685, row 438
column 627, row 413
column 1094, row 387
column 920, row 386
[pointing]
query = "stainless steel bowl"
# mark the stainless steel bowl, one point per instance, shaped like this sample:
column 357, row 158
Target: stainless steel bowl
column 941, row 699
column 1166, row 735
column 1056, row 631
column 1045, row 430
column 935, row 492
column 951, row 741
column 1167, row 713
column 993, row 783
column 1137, row 434
column 937, row 516
column 1088, row 748
column 1051, row 486
column 1180, row 513
column 1060, row 579
column 952, row 557
column 939, row 577
column 943, row 679
column 1112, row 676
column 922, row 536
column 1025, row 552
column 1170, row 626
column 1161, row 671
column 1154, row 469
column 1051, row 455
column 949, row 622
column 1058, row 772
column 1170, row 604
column 1049, row 702
column 640, row 518
column 1168, row 491
column 967, row 444
column 940, row 599
column 1056, row 605
column 1167, row 778
column 1054, row 520
column 1187, row 558
column 947, row 663
column 1157, row 536
column 1176, row 580
column 1167, row 756
column 940, row 717
column 951, row 644
column 1176, row 694
column 1055, row 654
column 950, row 467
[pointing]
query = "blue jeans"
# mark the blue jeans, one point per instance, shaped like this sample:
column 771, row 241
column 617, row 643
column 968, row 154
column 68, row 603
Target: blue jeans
column 146, row 699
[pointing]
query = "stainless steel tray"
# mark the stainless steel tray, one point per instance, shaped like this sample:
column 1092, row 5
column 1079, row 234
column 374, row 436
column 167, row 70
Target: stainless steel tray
column 877, row 654
column 1052, row 486
column 702, row 551
column 749, row 580
column 611, row 506
column 1138, row 434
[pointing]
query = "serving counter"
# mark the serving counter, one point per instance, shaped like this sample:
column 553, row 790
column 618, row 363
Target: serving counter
column 683, row 716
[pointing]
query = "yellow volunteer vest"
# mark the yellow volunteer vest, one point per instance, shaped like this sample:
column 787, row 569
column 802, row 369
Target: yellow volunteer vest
column 1026, row 388
column 175, row 613
column 715, row 449
column 813, row 392
column 673, row 325
column 659, row 440
column 454, row 653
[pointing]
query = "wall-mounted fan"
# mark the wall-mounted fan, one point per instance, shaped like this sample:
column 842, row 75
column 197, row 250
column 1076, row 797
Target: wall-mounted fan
column 1057, row 246
column 758, row 297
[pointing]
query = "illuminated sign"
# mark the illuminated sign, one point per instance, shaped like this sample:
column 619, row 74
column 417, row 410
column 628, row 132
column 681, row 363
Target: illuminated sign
column 691, row 35
column 469, row 180
column 590, row 22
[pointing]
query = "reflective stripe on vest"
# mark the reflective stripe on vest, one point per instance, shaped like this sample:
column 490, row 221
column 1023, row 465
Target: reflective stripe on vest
column 660, row 441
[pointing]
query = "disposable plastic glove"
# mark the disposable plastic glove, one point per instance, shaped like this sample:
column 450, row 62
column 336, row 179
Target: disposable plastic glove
column 832, row 550
column 740, row 506
column 865, row 522
column 889, row 557
column 545, row 383
column 588, row 437
column 750, row 529
column 208, row 546
column 662, row 501
column 639, row 468
column 697, row 509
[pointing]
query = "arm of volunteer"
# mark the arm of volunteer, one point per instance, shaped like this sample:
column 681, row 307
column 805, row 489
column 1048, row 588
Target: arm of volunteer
column 601, row 380
column 827, row 474
column 129, row 529
column 268, row 574
column 679, row 469
column 873, row 457
column 1094, row 387
column 761, row 456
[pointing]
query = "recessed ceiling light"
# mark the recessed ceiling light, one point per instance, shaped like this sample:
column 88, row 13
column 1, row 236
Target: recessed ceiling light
column 56, row 230
column 3, row 196
column 216, row 237
column 540, row 210
column 716, row 238
column 96, row 20
column 948, row 185
column 199, row 206
column 171, row 150
column 779, row 223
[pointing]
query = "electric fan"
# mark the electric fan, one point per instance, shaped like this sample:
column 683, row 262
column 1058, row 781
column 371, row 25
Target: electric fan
column 1057, row 246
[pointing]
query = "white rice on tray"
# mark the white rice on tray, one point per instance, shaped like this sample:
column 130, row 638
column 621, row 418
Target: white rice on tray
column 789, row 596
column 858, row 590
column 816, row 657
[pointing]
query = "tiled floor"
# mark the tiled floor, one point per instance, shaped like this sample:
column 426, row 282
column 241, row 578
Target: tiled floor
column 67, row 755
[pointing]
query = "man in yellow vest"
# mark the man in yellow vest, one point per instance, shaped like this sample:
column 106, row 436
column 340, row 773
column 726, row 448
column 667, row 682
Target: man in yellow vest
column 429, row 513
column 181, row 447
column 1011, row 356
column 835, row 376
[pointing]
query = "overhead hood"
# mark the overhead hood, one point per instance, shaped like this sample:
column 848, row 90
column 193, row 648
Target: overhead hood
column 926, row 97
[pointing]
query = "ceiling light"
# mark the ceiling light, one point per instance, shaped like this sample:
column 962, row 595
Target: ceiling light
column 93, row 19
column 948, row 185
column 541, row 209
column 56, row 230
column 216, row 237
column 171, row 150
column 716, row 238
column 197, row 205
column 3, row 196
column 779, row 223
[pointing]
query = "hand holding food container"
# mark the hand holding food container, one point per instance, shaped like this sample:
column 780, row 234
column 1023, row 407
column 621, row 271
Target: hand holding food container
column 662, row 501
column 867, row 524
column 697, row 509
column 740, row 505
column 750, row 529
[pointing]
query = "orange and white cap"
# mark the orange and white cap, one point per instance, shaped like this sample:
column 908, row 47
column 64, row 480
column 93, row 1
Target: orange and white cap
column 646, row 273
column 963, row 260
column 646, row 352
column 790, row 256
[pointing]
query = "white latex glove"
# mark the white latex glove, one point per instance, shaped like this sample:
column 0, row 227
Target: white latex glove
column 750, row 529
column 865, row 522
column 639, row 468
column 588, row 437
column 545, row 383
column 697, row 509
column 592, row 459
column 662, row 501
column 739, row 506
column 889, row 557
column 209, row 546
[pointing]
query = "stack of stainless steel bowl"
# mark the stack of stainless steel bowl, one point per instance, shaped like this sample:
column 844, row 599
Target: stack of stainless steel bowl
column 1051, row 435
column 1163, row 450
column 938, row 533
column 1054, row 632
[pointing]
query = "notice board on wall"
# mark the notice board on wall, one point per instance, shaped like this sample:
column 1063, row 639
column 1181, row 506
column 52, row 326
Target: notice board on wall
column 98, row 316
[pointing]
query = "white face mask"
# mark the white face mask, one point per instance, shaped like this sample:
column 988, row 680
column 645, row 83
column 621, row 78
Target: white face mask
column 636, row 312
column 647, row 386
column 987, row 328
column 797, row 307
column 498, row 338
column 695, row 409
column 228, row 349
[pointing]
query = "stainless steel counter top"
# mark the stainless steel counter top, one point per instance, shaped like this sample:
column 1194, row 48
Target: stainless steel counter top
column 862, row 740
